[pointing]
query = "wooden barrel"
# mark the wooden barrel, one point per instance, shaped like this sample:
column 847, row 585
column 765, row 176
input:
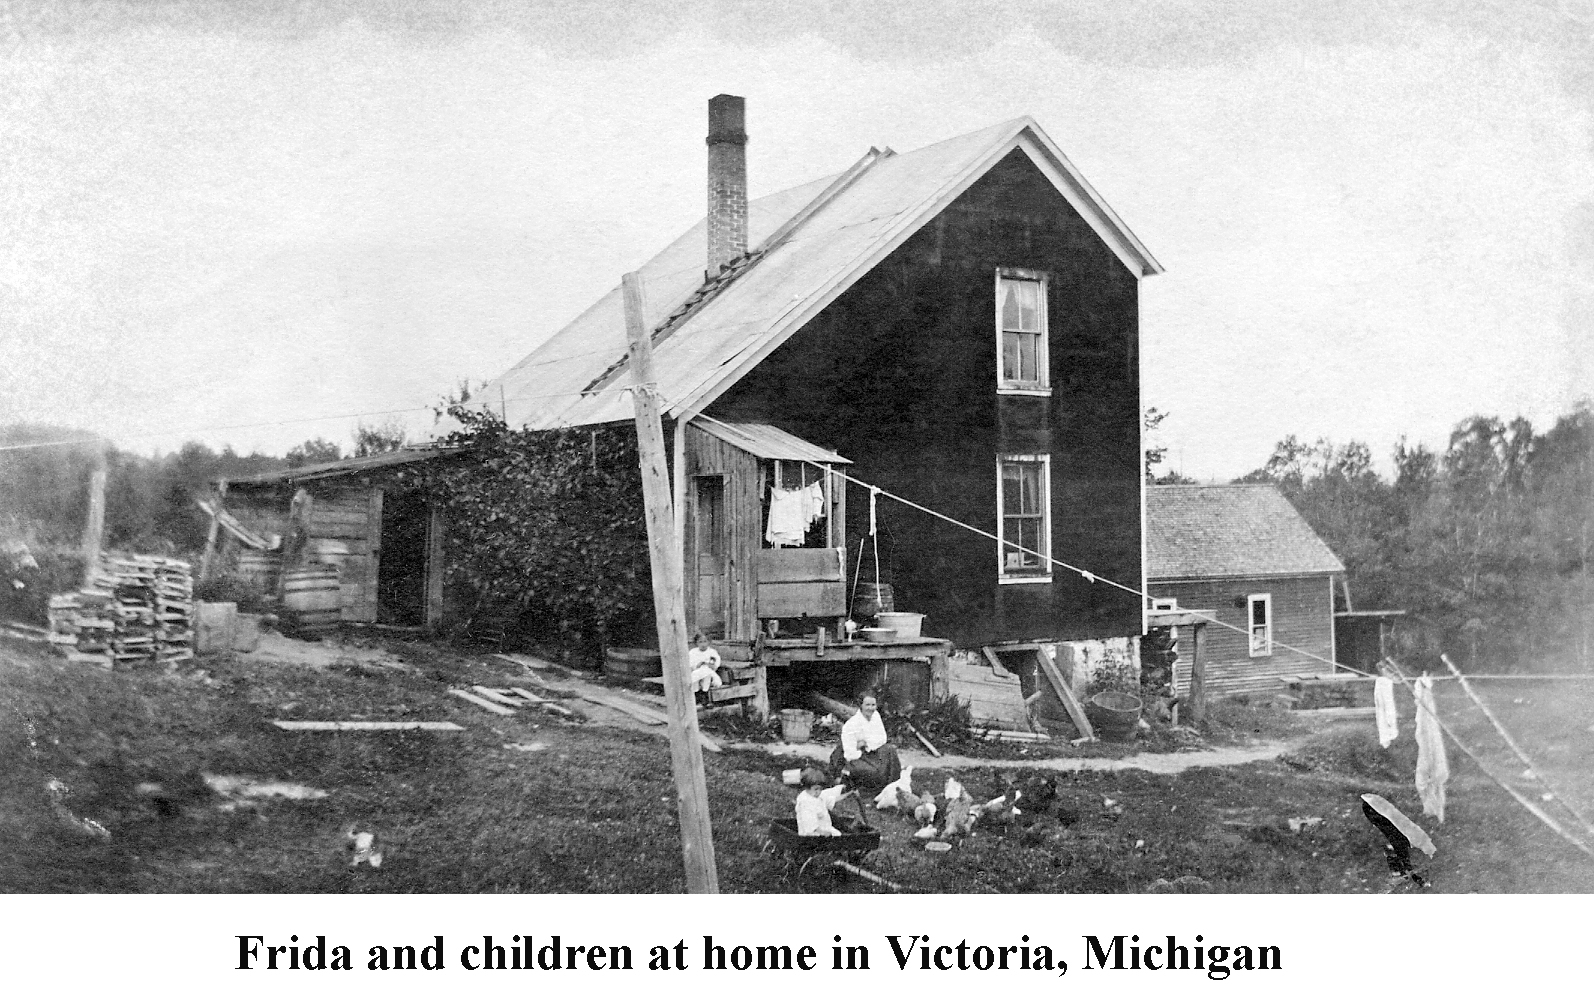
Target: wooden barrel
column 632, row 663
column 261, row 567
column 872, row 599
column 311, row 603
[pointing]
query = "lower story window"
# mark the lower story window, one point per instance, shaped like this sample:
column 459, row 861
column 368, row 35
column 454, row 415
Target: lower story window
column 1023, row 510
column 1260, row 616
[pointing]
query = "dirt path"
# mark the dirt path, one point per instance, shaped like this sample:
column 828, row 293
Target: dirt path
column 1152, row 762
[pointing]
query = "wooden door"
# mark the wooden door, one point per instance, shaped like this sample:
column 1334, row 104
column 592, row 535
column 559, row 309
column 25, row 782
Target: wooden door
column 711, row 557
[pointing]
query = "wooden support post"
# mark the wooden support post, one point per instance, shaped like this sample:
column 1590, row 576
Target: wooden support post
column 296, row 541
column 94, row 525
column 940, row 676
column 436, row 530
column 761, row 690
column 210, row 534
column 1064, row 694
column 669, row 604
column 1198, row 677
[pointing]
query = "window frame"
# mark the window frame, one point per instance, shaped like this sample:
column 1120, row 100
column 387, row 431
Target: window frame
column 1266, row 598
column 1025, row 388
column 1044, row 575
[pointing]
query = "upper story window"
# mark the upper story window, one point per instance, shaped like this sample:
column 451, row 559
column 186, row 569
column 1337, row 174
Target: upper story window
column 1021, row 331
column 1260, row 620
column 1023, row 511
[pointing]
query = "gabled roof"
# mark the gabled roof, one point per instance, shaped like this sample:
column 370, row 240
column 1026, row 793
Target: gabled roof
column 1229, row 531
column 808, row 245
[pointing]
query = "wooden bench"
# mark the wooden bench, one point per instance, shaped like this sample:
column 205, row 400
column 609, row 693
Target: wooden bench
column 739, row 685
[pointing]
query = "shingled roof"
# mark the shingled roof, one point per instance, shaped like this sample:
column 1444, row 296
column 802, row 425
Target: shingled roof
column 807, row 245
column 1229, row 531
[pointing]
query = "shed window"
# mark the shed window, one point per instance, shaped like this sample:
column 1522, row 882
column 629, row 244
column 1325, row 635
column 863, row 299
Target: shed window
column 1023, row 512
column 1021, row 331
column 1260, row 621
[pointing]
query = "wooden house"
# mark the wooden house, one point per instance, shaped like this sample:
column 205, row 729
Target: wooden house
column 1244, row 553
column 957, row 325
column 385, row 539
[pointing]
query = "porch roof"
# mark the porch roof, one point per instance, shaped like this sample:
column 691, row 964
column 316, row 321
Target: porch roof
column 767, row 442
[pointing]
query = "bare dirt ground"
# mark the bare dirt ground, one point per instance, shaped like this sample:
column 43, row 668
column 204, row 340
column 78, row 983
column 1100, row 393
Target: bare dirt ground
column 183, row 778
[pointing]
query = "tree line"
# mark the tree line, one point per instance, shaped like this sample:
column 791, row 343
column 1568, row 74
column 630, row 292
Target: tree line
column 1487, row 544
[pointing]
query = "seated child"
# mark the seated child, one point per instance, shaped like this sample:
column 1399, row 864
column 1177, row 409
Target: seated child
column 813, row 818
column 703, row 660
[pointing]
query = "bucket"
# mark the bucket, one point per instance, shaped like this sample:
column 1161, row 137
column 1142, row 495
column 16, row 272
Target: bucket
column 311, row 602
column 632, row 663
column 906, row 625
column 870, row 600
column 1114, row 715
column 796, row 725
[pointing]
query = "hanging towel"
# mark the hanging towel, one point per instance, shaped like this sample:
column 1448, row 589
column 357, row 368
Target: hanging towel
column 788, row 522
column 1433, row 769
column 1384, row 708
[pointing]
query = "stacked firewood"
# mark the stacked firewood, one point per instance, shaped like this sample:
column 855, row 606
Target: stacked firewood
column 134, row 609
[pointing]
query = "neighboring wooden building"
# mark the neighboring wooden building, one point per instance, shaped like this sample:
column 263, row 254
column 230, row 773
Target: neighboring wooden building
column 958, row 325
column 1243, row 551
column 387, row 541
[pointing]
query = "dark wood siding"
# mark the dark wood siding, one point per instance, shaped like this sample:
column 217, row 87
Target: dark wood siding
column 899, row 376
column 707, row 455
column 1303, row 617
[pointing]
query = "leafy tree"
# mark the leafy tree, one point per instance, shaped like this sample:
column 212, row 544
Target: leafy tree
column 387, row 437
column 312, row 451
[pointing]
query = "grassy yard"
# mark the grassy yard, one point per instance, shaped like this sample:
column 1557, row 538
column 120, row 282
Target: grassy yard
column 593, row 811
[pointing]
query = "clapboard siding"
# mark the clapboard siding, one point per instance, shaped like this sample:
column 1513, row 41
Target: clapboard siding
column 1303, row 618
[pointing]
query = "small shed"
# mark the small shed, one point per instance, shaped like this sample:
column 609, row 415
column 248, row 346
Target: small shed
column 1245, row 553
column 385, row 539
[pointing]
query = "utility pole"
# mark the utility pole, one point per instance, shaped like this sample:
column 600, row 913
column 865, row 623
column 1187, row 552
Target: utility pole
column 669, row 604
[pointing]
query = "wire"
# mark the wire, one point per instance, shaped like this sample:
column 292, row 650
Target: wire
column 295, row 421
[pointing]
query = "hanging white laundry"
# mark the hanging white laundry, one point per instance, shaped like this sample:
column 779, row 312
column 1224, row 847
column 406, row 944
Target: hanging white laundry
column 788, row 522
column 1384, row 710
column 1433, row 768
column 815, row 503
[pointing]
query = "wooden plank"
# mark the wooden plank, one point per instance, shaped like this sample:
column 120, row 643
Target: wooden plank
column 721, row 694
column 924, row 740
column 529, row 662
column 1198, row 676
column 989, row 651
column 370, row 574
column 1064, row 693
column 497, row 697
column 543, row 704
column 436, row 533
column 478, row 701
column 795, row 564
column 637, row 711
column 785, row 600
column 368, row 726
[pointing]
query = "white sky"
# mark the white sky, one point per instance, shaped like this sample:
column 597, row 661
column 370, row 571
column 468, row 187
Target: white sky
column 1373, row 223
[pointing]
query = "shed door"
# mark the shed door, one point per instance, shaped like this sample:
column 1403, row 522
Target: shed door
column 712, row 559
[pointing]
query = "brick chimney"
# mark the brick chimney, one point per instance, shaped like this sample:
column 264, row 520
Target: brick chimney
column 727, row 180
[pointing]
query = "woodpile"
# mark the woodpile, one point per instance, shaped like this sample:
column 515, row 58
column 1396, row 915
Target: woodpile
column 134, row 609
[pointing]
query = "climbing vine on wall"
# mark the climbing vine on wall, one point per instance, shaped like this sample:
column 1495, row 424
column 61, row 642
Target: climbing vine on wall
column 546, row 530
